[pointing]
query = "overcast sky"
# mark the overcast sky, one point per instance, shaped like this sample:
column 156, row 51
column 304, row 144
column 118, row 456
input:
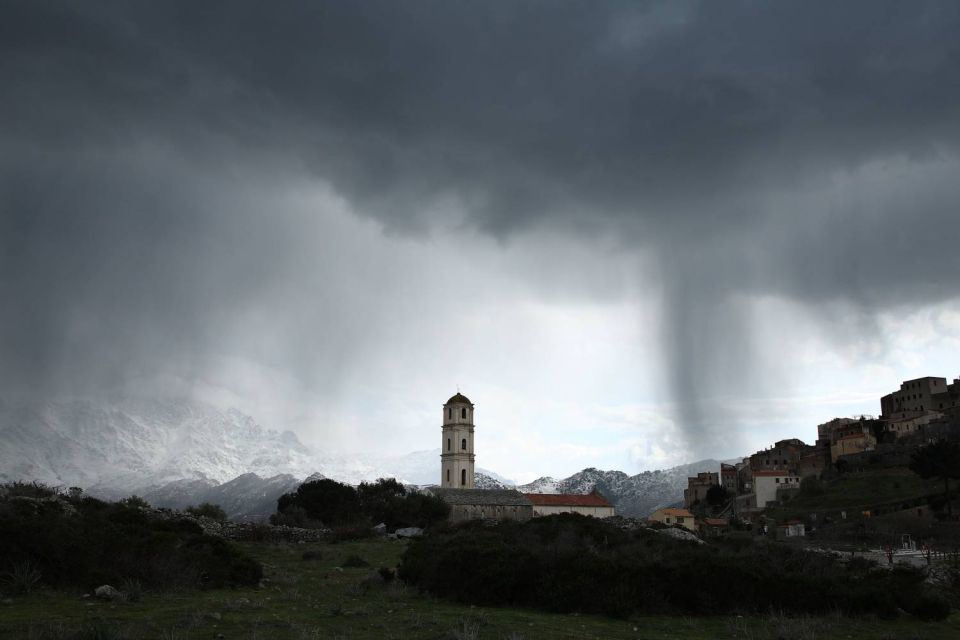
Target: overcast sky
column 634, row 234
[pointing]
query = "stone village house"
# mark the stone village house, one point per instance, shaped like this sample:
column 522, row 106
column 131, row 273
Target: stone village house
column 672, row 515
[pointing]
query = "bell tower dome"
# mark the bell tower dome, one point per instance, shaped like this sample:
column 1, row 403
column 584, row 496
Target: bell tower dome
column 456, row 449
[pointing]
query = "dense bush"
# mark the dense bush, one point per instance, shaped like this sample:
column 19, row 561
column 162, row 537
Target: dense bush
column 811, row 487
column 208, row 510
column 572, row 563
column 932, row 607
column 329, row 503
column 83, row 542
column 20, row 489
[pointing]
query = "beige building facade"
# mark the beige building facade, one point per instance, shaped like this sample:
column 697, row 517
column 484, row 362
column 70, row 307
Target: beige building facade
column 917, row 396
column 456, row 453
column 671, row 516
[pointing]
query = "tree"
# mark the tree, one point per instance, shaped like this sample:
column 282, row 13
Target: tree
column 325, row 500
column 388, row 501
column 940, row 459
column 209, row 510
column 383, row 500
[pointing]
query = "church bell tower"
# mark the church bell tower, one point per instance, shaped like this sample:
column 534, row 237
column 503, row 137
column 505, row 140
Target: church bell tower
column 456, row 457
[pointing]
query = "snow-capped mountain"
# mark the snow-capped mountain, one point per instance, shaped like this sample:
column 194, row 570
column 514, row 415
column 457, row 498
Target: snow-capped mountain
column 176, row 453
column 634, row 496
column 545, row 484
column 245, row 497
column 134, row 443
column 484, row 481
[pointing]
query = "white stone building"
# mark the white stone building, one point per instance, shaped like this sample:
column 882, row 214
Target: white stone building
column 768, row 482
column 593, row 504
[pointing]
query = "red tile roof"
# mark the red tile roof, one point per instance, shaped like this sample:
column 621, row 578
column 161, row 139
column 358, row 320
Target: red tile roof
column 566, row 500
column 715, row 522
column 680, row 513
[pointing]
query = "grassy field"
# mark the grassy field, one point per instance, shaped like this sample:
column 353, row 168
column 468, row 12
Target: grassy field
column 319, row 598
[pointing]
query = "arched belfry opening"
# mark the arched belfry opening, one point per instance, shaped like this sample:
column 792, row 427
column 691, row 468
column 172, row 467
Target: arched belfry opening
column 456, row 463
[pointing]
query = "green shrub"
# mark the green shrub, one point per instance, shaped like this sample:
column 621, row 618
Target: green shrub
column 23, row 577
column 327, row 501
column 811, row 486
column 96, row 542
column 208, row 510
column 220, row 563
column 131, row 589
column 21, row 489
column 295, row 516
column 98, row 630
column 355, row 561
column 931, row 607
column 571, row 563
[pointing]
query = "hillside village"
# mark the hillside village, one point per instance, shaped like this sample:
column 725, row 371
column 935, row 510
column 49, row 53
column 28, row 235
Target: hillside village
column 742, row 495
column 921, row 411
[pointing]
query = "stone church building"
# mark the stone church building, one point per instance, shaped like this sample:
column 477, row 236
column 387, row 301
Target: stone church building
column 469, row 503
column 456, row 472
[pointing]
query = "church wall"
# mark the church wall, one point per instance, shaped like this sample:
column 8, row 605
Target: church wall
column 596, row 512
column 462, row 512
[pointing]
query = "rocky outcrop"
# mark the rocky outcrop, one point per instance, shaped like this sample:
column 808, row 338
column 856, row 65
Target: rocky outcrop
column 680, row 534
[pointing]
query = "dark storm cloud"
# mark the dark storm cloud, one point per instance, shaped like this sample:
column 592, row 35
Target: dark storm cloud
column 801, row 149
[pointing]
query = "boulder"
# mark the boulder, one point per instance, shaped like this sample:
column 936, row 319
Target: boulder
column 106, row 592
column 380, row 529
column 409, row 532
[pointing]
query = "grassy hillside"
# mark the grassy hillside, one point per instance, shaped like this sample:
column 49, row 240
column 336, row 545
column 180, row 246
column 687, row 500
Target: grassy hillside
column 883, row 489
column 309, row 593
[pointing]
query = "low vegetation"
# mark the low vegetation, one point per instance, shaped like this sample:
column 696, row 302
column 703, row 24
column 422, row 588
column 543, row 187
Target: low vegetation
column 320, row 597
column 208, row 510
column 941, row 460
column 75, row 542
column 853, row 493
column 575, row 564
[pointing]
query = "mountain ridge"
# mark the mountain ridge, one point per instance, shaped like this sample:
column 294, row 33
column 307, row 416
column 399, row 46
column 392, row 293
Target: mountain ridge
column 176, row 453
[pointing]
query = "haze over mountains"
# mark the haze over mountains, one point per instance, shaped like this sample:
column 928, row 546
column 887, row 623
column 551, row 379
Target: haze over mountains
column 176, row 452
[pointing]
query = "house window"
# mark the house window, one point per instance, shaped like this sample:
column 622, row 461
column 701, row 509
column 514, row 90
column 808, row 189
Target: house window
column 463, row 477
column 463, row 444
column 463, row 413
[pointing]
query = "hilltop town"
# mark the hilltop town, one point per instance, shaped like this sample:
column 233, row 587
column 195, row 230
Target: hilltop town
column 921, row 411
